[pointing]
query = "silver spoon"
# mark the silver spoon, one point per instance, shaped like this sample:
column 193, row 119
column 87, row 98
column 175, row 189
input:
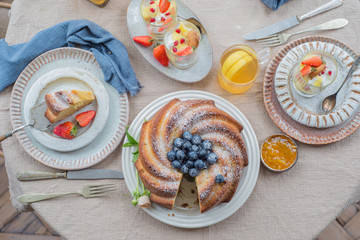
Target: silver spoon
column 195, row 22
column 329, row 102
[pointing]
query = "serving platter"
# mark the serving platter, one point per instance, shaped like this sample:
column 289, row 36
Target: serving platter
column 307, row 110
column 67, row 79
column 285, row 122
column 104, row 143
column 136, row 27
column 191, row 218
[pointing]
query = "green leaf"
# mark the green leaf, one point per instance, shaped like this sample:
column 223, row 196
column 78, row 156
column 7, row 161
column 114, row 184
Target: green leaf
column 137, row 152
column 130, row 138
column 135, row 157
column 136, row 194
column 129, row 145
column 146, row 192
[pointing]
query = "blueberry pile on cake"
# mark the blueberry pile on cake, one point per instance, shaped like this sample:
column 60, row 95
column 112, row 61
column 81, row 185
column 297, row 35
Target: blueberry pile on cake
column 191, row 137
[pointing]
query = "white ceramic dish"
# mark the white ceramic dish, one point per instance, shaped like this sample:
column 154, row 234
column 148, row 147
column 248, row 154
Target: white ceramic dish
column 307, row 110
column 191, row 218
column 136, row 27
column 105, row 142
column 68, row 79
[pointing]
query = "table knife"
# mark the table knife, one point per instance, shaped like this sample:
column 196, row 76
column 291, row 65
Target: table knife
column 290, row 22
column 73, row 175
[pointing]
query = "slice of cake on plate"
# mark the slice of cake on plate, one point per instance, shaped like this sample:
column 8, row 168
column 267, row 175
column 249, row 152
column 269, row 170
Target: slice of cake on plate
column 62, row 104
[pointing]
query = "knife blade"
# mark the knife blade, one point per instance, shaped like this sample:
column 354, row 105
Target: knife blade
column 290, row 22
column 70, row 175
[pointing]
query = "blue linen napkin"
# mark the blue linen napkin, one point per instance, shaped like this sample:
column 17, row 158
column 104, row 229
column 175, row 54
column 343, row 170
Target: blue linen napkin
column 109, row 52
column 274, row 4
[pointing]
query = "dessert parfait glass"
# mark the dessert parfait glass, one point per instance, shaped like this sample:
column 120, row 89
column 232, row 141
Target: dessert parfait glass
column 158, row 15
column 182, row 41
column 309, row 85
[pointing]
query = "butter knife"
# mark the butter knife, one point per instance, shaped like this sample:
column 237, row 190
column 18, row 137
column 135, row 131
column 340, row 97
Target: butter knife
column 86, row 174
column 290, row 22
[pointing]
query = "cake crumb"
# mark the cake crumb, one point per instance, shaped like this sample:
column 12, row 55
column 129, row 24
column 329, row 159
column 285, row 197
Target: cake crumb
column 168, row 214
column 185, row 205
column 173, row 214
column 192, row 191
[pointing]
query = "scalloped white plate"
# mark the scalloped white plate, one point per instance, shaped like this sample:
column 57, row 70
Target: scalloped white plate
column 202, row 67
column 307, row 110
column 104, row 143
column 191, row 218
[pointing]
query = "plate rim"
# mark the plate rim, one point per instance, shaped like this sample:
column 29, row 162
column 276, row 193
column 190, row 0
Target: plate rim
column 285, row 123
column 16, row 113
column 253, row 144
column 139, row 49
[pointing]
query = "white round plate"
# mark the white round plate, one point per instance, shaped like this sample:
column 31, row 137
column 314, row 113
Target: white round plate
column 105, row 142
column 191, row 218
column 307, row 110
column 67, row 79
column 136, row 27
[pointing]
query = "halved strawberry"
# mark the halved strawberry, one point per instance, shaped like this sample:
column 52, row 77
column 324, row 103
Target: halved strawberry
column 160, row 55
column 146, row 41
column 185, row 51
column 164, row 23
column 164, row 5
column 313, row 62
column 66, row 130
column 85, row 118
column 307, row 70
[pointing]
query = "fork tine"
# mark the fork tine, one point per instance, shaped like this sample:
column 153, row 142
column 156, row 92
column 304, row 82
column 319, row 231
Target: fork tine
column 101, row 185
column 268, row 39
column 273, row 35
column 271, row 42
column 102, row 190
column 101, row 194
column 273, row 45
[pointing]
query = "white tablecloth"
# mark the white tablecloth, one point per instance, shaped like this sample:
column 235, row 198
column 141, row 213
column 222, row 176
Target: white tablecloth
column 296, row 204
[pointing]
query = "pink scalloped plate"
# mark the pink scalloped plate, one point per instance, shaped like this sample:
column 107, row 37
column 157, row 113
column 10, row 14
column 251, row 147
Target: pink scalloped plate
column 300, row 132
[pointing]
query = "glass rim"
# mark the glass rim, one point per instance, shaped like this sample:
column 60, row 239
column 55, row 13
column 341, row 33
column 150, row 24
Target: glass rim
column 228, row 80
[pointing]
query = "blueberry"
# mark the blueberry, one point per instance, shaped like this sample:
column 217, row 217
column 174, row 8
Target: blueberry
column 212, row 158
column 195, row 148
column 176, row 164
column 199, row 164
column 171, row 155
column 187, row 136
column 206, row 144
column 219, row 178
column 189, row 164
column 186, row 146
column 193, row 172
column 184, row 169
column 175, row 149
column 192, row 155
column 180, row 155
column 196, row 140
column 178, row 142
column 202, row 153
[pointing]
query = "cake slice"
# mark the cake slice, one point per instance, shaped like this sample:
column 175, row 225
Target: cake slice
column 62, row 104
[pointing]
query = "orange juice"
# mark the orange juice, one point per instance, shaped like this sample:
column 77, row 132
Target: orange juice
column 239, row 67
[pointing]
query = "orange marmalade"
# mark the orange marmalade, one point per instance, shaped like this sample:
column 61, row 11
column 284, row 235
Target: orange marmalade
column 279, row 152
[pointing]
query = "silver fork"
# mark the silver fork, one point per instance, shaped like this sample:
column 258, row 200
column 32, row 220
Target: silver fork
column 87, row 192
column 281, row 38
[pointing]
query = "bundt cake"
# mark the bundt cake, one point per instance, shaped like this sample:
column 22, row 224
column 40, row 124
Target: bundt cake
column 62, row 104
column 198, row 116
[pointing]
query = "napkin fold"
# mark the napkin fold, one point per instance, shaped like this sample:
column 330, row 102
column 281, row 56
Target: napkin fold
column 109, row 52
column 274, row 4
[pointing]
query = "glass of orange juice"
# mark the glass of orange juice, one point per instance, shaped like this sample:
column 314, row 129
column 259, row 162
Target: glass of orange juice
column 240, row 66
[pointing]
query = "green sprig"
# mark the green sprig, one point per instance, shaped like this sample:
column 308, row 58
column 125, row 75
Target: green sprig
column 137, row 192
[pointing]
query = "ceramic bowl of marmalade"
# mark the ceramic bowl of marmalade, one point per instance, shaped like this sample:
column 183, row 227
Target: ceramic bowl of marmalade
column 279, row 153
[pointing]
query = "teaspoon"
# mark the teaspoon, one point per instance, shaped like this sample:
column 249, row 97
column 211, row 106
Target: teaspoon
column 329, row 102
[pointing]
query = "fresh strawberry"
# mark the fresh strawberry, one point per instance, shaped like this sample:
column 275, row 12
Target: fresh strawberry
column 144, row 40
column 307, row 70
column 66, row 130
column 85, row 118
column 185, row 51
column 164, row 5
column 313, row 62
column 160, row 55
